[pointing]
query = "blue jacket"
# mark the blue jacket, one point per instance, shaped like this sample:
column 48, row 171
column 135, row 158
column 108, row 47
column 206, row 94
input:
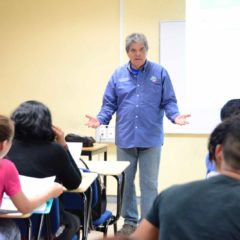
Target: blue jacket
column 139, row 101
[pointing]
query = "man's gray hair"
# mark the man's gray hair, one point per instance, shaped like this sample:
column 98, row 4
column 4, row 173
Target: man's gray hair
column 136, row 38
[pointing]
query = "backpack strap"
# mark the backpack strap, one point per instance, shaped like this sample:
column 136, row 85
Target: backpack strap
column 84, row 163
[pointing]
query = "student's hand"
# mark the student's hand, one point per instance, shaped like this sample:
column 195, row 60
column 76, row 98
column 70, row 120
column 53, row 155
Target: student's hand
column 92, row 122
column 56, row 189
column 182, row 119
column 59, row 135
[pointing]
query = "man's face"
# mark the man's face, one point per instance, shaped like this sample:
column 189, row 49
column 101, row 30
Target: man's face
column 137, row 54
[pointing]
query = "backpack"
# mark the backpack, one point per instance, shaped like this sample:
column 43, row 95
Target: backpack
column 99, row 191
column 87, row 141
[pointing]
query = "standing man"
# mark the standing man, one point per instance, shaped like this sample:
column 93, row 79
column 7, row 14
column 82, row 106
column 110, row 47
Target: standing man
column 139, row 92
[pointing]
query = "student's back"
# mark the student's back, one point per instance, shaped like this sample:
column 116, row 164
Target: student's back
column 39, row 150
column 44, row 159
column 206, row 209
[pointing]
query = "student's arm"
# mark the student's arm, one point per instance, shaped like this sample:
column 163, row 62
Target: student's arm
column 145, row 231
column 66, row 164
column 26, row 205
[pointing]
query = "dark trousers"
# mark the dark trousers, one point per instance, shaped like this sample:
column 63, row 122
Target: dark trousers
column 71, row 222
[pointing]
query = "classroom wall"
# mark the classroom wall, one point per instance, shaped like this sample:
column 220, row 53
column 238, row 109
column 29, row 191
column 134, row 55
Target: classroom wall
column 63, row 52
column 60, row 52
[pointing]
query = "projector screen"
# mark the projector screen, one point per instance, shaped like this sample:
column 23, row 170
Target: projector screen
column 211, row 62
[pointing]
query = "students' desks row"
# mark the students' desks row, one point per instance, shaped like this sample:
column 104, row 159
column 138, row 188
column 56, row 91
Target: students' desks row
column 110, row 168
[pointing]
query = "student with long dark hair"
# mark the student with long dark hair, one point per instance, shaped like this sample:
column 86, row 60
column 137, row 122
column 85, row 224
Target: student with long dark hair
column 10, row 184
column 39, row 150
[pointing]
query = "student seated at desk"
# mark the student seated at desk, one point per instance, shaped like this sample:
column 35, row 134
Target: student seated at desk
column 39, row 150
column 10, row 184
column 204, row 209
column 229, row 109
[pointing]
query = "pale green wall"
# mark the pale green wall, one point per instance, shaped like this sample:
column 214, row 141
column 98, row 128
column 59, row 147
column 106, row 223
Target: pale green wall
column 63, row 52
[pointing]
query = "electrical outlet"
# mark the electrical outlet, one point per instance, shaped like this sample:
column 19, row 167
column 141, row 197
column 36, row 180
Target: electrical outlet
column 105, row 133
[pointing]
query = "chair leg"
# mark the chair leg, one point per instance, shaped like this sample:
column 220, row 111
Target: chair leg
column 105, row 231
column 115, row 228
column 29, row 237
column 40, row 226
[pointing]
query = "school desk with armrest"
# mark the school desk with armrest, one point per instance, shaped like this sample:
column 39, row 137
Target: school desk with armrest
column 105, row 168
column 115, row 169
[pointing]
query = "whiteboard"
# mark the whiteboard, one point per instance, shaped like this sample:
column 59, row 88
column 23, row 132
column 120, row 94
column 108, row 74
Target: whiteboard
column 173, row 58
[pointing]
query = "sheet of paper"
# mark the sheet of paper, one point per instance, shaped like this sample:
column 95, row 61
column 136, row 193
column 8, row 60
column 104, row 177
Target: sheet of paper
column 75, row 148
column 31, row 187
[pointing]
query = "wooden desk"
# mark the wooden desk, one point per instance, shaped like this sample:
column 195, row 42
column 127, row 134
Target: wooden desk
column 86, row 191
column 96, row 149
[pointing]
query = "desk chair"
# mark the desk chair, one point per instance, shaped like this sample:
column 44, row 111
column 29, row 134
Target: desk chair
column 73, row 202
column 114, row 169
column 108, row 218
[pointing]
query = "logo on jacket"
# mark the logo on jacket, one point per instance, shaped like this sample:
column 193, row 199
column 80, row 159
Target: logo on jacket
column 153, row 79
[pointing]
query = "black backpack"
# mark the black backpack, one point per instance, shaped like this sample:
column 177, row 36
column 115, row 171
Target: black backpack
column 87, row 141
